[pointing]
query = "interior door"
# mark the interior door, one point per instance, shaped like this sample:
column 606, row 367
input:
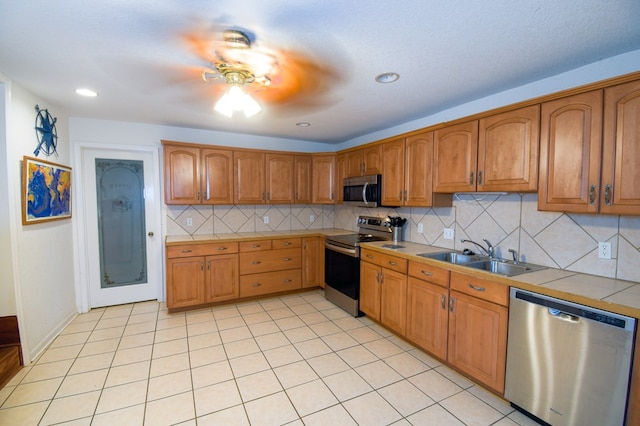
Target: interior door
column 123, row 250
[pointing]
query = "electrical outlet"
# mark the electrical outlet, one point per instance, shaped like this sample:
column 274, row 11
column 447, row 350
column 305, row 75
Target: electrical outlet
column 265, row 219
column 189, row 221
column 448, row 234
column 312, row 218
column 420, row 228
column 604, row 250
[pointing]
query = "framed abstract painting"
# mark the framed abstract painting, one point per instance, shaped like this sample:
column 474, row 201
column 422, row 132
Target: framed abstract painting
column 46, row 191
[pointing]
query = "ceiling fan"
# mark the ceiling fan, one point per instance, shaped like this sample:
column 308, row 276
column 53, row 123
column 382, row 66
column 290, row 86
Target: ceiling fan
column 253, row 74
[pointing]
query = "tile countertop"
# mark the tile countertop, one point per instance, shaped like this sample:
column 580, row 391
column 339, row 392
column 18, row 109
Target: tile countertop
column 619, row 296
column 180, row 239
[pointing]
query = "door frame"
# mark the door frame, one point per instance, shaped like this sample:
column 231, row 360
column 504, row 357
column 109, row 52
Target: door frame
column 81, row 247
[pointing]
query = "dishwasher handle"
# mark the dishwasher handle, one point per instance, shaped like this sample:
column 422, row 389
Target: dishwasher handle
column 563, row 315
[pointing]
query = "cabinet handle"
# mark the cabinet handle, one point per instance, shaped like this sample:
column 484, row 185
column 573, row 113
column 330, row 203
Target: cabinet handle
column 405, row 195
column 381, row 278
column 198, row 195
column 286, row 243
column 256, row 262
column 208, row 265
column 201, row 265
column 186, row 251
column 476, row 288
column 256, row 284
column 400, row 195
column 331, row 197
column 451, row 304
column 369, row 256
column 427, row 273
column 443, row 301
column 222, row 248
column 607, row 194
column 471, row 178
column 392, row 263
column 480, row 177
column 287, row 259
column 263, row 196
column 256, row 246
column 268, row 195
column 592, row 194
column 288, row 281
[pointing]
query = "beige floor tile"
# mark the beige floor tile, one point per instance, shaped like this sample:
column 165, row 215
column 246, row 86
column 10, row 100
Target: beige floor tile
column 491, row 399
column 5, row 392
column 150, row 317
column 71, row 408
column 83, row 382
column 204, row 341
column 521, row 419
column 326, row 365
column 470, row 410
column 347, row 385
column 139, row 328
column 111, row 322
column 130, row 416
column 216, row 397
column 20, row 375
column 364, row 334
column 383, row 348
column 313, row 318
column 47, row 371
column 325, row 328
column 196, row 329
column 289, row 323
column 106, row 333
column 128, row 373
column 137, row 340
column 378, row 374
column 348, row 323
column 295, row 374
column 117, row 311
column 293, row 300
column 79, row 327
column 282, row 356
column 302, row 308
column 70, row 339
column 99, row 347
column 263, row 328
column 241, row 348
column 335, row 415
column 225, row 311
column 322, row 397
column 357, row 356
column 300, row 334
column 406, row 364
column 168, row 385
column 248, row 364
column 424, row 357
column 171, row 334
column 172, row 347
column 250, row 308
column 235, row 416
column 132, row 355
column 235, row 334
column 371, row 410
column 203, row 315
column 143, row 307
column 208, row 355
column 24, row 415
column 92, row 362
column 334, row 313
column 454, row 376
column 508, row 422
column 272, row 304
column 435, row 385
column 178, row 321
column 211, row 374
column 256, row 318
column 339, row 341
column 312, row 348
column 434, row 415
column 122, row 396
column 169, row 364
column 271, row 410
column 59, row 354
column 93, row 315
column 170, row 411
column 258, row 385
column 28, row 393
column 272, row 341
column 405, row 397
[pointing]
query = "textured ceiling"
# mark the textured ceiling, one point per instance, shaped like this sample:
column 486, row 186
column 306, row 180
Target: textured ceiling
column 446, row 52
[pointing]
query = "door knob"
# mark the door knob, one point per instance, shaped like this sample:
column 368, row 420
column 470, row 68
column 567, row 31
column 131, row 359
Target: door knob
column 150, row 233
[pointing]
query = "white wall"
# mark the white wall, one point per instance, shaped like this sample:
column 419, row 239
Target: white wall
column 42, row 253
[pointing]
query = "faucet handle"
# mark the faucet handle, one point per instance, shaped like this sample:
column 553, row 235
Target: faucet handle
column 514, row 253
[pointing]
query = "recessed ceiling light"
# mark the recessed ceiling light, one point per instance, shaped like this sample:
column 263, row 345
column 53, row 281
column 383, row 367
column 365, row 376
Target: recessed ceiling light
column 387, row 77
column 87, row 92
column 303, row 124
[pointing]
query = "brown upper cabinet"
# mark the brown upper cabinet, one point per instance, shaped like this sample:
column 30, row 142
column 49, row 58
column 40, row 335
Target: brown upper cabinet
column 248, row 177
column 495, row 153
column 197, row 175
column 280, row 178
column 303, row 183
column 365, row 161
column 407, row 173
column 324, row 179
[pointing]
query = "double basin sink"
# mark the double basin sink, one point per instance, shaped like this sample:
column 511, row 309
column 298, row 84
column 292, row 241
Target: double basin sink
column 504, row 267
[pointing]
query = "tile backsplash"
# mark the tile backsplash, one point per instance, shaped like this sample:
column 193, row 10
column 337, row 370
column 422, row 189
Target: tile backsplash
column 559, row 240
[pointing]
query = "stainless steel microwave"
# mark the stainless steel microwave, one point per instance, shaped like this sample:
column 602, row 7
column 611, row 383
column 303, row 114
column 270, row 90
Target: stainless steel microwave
column 363, row 191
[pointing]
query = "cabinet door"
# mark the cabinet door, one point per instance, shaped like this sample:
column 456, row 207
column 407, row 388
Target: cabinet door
column 370, row 290
column 418, row 170
column 312, row 262
column 324, row 179
column 620, row 189
column 428, row 316
column 372, row 158
column 185, row 282
column 393, row 300
column 478, row 339
column 354, row 163
column 393, row 172
column 508, row 146
column 341, row 173
column 248, row 177
column 280, row 178
column 217, row 176
column 222, row 278
column 570, row 143
column 181, row 175
column 455, row 154
column 302, row 179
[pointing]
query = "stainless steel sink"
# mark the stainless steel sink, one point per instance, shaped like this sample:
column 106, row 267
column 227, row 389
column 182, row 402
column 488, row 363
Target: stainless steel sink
column 454, row 257
column 393, row 246
column 504, row 267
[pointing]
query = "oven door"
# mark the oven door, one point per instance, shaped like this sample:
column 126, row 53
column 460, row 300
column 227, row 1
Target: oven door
column 342, row 277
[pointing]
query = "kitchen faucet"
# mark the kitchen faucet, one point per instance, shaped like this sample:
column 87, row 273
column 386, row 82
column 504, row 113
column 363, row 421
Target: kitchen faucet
column 489, row 250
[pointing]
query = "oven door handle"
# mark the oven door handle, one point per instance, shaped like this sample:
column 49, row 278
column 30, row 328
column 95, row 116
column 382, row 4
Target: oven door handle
column 348, row 252
column 364, row 193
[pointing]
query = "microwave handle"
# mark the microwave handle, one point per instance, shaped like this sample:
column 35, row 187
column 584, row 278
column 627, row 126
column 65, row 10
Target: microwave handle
column 364, row 193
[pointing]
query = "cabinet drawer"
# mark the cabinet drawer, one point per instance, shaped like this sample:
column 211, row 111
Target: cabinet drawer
column 248, row 246
column 211, row 249
column 371, row 256
column 429, row 273
column 482, row 289
column 394, row 263
column 270, row 282
column 273, row 260
column 286, row 243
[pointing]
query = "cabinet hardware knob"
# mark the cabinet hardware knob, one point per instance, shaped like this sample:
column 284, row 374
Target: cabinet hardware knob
column 286, row 259
column 369, row 256
column 222, row 248
column 427, row 273
column 451, row 304
column 256, row 262
column 480, row 177
column 476, row 288
column 286, row 243
column 471, row 178
column 607, row 194
column 208, row 265
column 592, row 194
column 186, row 251
column 256, row 246
column 256, row 284
column 443, row 301
column 392, row 263
column 288, row 281
column 201, row 265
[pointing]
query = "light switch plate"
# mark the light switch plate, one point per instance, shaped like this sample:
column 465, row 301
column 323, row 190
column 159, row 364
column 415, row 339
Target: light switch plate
column 420, row 228
column 604, row 250
column 265, row 219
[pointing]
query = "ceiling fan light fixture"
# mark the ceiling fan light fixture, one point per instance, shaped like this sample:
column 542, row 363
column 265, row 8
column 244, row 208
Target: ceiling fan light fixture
column 236, row 99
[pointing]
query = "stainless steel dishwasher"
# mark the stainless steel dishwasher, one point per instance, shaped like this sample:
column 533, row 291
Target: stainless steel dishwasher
column 567, row 364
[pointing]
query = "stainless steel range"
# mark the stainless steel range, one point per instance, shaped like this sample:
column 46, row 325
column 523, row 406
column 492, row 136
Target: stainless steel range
column 342, row 261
